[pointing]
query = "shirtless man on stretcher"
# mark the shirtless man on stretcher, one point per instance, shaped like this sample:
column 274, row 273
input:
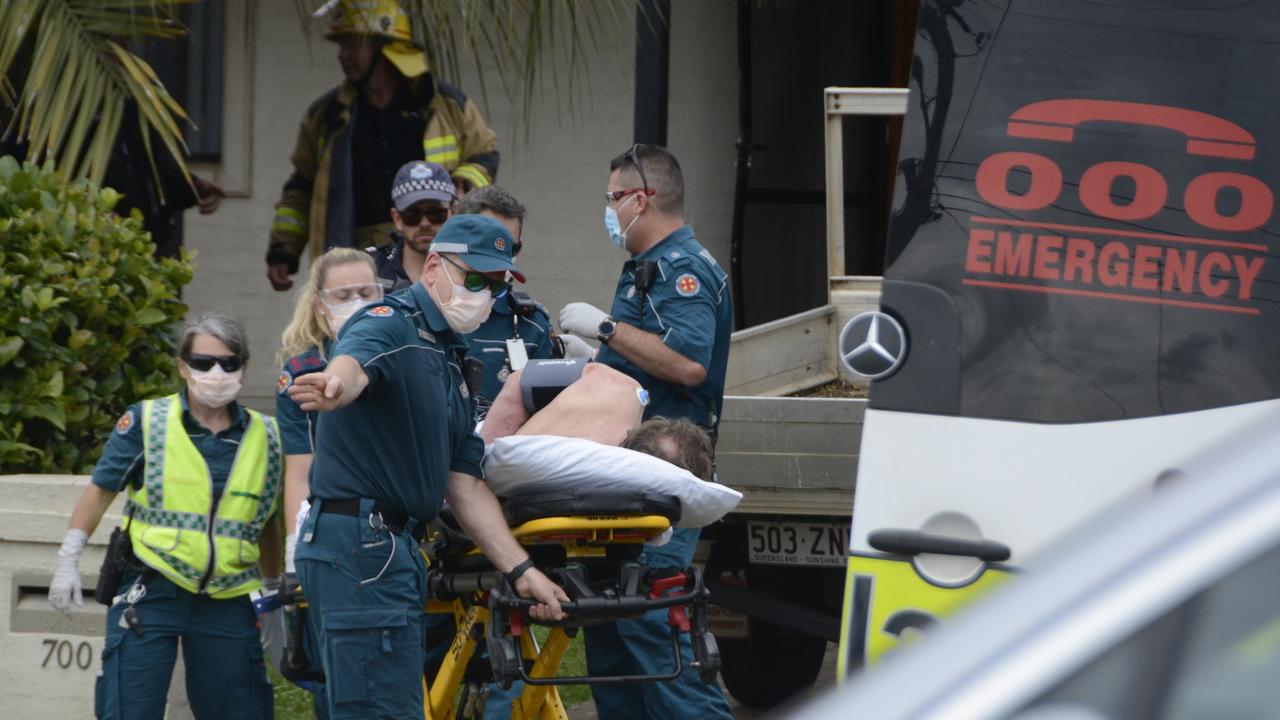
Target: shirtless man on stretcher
column 604, row 406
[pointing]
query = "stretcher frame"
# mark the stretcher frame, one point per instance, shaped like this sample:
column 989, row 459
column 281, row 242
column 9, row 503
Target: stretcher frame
column 484, row 599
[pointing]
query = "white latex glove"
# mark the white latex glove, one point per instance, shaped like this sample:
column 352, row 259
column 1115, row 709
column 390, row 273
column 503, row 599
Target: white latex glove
column 65, row 585
column 290, row 549
column 580, row 318
column 304, row 508
column 271, row 621
column 576, row 347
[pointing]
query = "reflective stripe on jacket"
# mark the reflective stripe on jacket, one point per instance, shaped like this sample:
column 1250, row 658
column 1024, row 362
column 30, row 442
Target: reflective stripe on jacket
column 176, row 523
column 316, row 210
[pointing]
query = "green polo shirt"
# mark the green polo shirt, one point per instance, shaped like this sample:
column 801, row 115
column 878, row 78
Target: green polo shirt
column 414, row 423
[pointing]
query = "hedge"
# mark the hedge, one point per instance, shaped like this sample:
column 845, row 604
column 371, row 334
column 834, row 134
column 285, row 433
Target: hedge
column 87, row 317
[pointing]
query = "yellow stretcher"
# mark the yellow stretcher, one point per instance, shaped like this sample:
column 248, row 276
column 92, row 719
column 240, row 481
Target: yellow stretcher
column 589, row 543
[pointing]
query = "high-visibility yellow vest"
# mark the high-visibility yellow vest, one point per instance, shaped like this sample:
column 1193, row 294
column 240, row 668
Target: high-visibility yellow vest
column 178, row 529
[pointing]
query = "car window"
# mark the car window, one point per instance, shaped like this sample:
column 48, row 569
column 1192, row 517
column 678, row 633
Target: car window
column 1216, row 656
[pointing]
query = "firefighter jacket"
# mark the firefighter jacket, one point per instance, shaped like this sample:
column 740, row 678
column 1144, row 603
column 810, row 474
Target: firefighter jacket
column 202, row 543
column 317, row 208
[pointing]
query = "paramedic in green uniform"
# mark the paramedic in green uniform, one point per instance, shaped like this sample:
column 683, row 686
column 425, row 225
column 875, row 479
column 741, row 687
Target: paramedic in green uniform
column 395, row 438
column 668, row 329
column 187, row 461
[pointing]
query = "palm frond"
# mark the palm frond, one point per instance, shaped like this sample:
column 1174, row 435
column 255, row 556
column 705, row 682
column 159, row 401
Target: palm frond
column 66, row 77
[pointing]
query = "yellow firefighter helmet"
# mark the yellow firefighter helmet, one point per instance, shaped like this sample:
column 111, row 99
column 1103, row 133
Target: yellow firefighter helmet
column 378, row 18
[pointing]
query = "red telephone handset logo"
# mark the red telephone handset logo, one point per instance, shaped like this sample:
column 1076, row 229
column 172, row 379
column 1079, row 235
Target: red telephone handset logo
column 1058, row 120
column 1206, row 134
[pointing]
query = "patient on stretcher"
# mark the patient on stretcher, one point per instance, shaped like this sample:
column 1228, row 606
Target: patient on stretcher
column 590, row 436
column 601, row 405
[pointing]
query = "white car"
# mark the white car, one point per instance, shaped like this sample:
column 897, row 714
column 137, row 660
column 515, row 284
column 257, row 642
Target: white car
column 1165, row 608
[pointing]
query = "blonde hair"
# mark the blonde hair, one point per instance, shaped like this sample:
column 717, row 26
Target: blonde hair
column 308, row 329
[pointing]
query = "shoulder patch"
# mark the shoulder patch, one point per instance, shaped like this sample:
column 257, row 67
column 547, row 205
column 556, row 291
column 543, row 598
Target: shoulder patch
column 380, row 311
column 283, row 383
column 687, row 285
column 125, row 422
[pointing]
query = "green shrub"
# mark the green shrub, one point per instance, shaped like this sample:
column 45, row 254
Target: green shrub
column 86, row 319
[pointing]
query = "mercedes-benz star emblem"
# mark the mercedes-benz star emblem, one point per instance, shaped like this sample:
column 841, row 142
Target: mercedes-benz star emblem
column 872, row 345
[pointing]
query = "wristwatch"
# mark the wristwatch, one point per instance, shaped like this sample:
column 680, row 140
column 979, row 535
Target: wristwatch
column 606, row 329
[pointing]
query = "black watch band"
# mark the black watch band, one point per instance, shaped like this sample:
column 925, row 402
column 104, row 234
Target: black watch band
column 518, row 571
column 605, row 330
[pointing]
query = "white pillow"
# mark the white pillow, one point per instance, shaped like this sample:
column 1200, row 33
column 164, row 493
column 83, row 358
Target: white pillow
column 524, row 463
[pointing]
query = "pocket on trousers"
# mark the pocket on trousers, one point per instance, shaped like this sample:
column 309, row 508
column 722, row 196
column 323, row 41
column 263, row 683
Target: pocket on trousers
column 367, row 650
column 106, row 687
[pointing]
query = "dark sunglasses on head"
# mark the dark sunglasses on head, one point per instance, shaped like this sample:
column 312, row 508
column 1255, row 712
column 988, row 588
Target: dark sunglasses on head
column 413, row 215
column 205, row 363
column 634, row 157
column 475, row 282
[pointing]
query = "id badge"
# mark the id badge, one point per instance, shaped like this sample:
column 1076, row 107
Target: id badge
column 517, row 354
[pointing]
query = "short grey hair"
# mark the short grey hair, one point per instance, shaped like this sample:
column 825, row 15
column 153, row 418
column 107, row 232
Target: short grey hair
column 494, row 199
column 215, row 324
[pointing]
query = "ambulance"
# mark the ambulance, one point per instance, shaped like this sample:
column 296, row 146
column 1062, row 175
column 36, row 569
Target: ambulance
column 1080, row 287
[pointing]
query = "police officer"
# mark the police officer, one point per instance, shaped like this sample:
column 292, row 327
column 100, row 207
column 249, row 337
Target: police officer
column 669, row 329
column 395, row 438
column 421, row 202
column 518, row 329
column 203, row 476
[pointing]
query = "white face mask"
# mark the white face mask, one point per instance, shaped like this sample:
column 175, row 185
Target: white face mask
column 214, row 387
column 340, row 313
column 467, row 309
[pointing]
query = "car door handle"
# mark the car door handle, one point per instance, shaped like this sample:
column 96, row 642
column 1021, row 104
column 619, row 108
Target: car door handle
column 914, row 542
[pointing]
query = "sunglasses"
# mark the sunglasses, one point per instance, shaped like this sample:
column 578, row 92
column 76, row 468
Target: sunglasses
column 634, row 157
column 475, row 282
column 413, row 214
column 613, row 196
column 205, row 363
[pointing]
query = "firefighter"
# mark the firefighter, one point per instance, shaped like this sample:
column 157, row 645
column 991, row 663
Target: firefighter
column 388, row 110
column 203, row 477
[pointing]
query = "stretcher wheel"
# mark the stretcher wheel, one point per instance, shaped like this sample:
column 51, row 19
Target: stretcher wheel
column 707, row 655
column 504, row 656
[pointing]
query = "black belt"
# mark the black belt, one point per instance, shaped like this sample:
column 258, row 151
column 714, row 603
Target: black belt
column 391, row 517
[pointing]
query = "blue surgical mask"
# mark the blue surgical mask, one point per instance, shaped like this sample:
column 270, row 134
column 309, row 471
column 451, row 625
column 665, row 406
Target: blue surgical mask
column 613, row 225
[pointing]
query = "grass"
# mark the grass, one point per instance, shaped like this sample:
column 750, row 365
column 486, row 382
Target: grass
column 294, row 703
